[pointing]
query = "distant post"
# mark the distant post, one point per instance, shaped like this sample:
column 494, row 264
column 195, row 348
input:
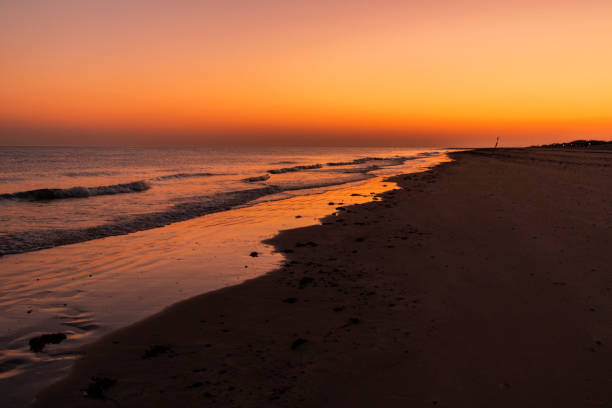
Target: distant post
column 496, row 143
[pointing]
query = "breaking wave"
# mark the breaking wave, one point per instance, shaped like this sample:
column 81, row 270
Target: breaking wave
column 27, row 241
column 362, row 160
column 295, row 168
column 34, row 240
column 357, row 161
column 396, row 160
column 46, row 194
column 257, row 178
column 188, row 208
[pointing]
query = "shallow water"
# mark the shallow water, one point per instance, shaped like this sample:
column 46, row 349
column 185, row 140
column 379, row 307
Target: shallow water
column 53, row 196
column 87, row 289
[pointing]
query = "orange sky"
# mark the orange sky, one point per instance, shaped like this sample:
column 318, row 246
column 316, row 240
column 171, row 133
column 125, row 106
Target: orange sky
column 342, row 72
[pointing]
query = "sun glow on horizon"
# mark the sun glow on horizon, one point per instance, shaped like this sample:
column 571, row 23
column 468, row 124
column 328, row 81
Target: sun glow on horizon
column 336, row 68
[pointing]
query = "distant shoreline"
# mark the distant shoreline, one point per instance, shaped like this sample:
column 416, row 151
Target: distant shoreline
column 482, row 282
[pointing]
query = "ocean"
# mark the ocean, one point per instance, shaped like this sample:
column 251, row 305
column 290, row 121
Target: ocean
column 53, row 196
column 92, row 239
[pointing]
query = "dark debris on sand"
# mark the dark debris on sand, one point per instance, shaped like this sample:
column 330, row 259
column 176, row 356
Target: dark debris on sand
column 298, row 342
column 37, row 344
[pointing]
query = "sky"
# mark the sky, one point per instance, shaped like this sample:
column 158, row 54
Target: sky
column 333, row 72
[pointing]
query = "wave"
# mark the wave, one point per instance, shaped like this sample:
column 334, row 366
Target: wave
column 46, row 194
column 35, row 240
column 27, row 241
column 347, row 163
column 189, row 208
column 183, row 175
column 295, row 168
column 257, row 178
column 358, row 176
column 362, row 160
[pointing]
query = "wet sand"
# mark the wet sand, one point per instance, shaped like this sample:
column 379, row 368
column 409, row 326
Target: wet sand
column 484, row 282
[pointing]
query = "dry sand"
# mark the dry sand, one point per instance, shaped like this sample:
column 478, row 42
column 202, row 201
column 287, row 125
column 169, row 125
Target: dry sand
column 484, row 282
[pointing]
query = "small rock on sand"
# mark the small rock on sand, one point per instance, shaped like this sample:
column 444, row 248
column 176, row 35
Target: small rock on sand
column 37, row 344
column 297, row 343
column 98, row 386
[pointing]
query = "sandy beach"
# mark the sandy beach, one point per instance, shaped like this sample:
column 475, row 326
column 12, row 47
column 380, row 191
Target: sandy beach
column 486, row 281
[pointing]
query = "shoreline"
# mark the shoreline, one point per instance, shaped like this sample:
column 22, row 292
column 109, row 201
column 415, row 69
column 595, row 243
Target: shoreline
column 141, row 274
column 217, row 191
column 458, row 289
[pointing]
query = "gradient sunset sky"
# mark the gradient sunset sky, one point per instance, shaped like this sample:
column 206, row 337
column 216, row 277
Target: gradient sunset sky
column 427, row 73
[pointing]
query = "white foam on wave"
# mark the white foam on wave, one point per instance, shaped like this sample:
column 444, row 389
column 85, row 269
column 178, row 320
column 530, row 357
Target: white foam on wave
column 193, row 207
column 46, row 194
column 256, row 178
